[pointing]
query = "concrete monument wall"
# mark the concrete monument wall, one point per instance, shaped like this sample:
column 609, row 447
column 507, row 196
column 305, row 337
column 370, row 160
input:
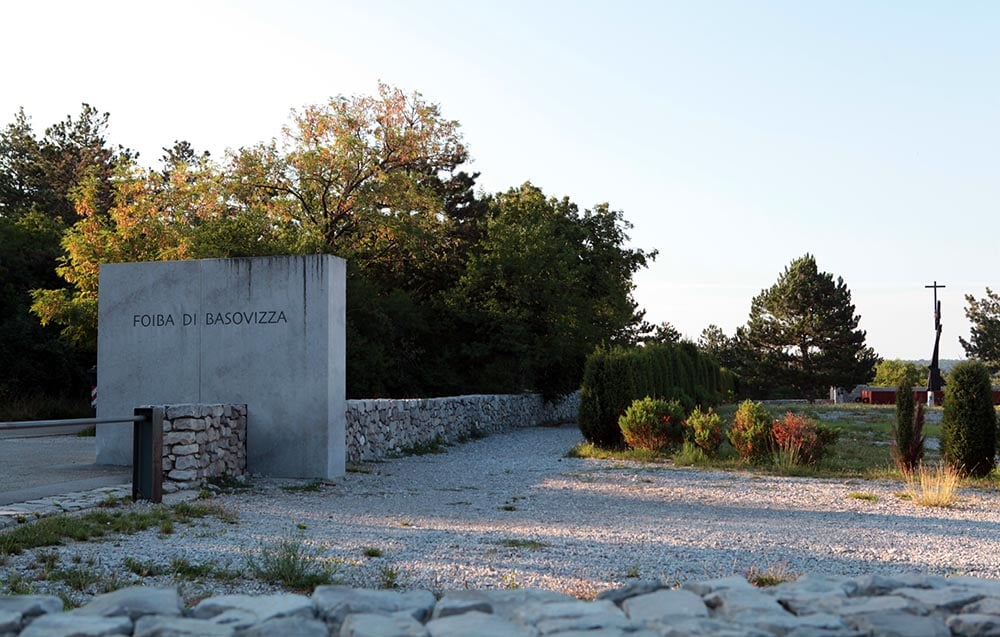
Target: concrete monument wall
column 265, row 331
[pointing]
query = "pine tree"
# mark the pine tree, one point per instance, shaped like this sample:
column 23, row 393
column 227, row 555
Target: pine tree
column 803, row 333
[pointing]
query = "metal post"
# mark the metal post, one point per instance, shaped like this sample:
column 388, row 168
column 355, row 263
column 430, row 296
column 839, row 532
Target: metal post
column 147, row 455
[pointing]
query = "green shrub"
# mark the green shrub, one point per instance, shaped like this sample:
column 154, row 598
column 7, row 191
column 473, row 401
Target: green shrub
column 704, row 428
column 598, row 420
column 969, row 427
column 613, row 378
column 907, row 445
column 750, row 433
column 802, row 438
column 653, row 424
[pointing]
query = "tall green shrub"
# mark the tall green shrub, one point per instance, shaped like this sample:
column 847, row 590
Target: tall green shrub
column 907, row 444
column 750, row 433
column 592, row 400
column 969, row 427
column 653, row 424
column 704, row 428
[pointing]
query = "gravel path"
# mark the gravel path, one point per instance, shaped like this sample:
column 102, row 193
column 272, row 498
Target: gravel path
column 511, row 510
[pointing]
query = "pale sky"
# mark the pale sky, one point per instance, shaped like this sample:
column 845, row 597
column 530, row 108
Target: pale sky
column 735, row 136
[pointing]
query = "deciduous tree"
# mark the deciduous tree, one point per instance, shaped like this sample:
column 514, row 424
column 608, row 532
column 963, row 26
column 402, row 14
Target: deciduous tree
column 546, row 284
column 897, row 373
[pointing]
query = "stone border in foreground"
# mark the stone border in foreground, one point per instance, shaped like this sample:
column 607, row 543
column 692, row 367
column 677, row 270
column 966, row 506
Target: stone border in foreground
column 818, row 606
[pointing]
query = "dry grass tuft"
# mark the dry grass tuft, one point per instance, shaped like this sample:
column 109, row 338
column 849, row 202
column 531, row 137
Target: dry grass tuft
column 933, row 486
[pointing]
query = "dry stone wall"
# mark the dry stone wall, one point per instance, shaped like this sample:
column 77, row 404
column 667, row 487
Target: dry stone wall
column 201, row 442
column 377, row 428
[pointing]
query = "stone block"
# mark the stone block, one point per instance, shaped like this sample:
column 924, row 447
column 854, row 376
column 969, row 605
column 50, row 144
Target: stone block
column 188, row 424
column 184, row 450
column 183, row 475
column 186, row 462
column 181, row 411
column 178, row 438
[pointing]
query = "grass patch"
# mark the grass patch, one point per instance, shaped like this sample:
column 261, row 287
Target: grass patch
column 143, row 568
column 372, row 551
column 313, row 487
column 863, row 495
column 437, row 445
column 389, row 577
column 588, row 450
column 933, row 486
column 861, row 451
column 76, row 577
column 56, row 530
column 17, row 584
column 771, row 576
column 183, row 569
column 228, row 483
column 290, row 563
column 689, row 455
column 89, row 431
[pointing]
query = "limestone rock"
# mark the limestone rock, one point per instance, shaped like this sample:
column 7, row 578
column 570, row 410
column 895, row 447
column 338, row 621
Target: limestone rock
column 899, row 624
column 134, row 602
column 664, row 606
column 478, row 624
column 641, row 587
column 297, row 626
column 974, row 625
column 370, row 625
column 154, row 626
column 31, row 605
column 335, row 603
column 76, row 625
column 263, row 607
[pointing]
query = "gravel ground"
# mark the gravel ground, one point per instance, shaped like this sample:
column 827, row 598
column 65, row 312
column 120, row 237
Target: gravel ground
column 510, row 510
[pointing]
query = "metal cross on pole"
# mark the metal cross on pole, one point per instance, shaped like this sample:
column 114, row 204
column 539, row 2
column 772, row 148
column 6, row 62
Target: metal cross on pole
column 934, row 380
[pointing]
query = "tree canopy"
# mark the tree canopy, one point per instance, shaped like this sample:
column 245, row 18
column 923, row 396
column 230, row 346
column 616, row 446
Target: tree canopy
column 897, row 373
column 449, row 290
column 803, row 333
column 984, row 337
column 41, row 180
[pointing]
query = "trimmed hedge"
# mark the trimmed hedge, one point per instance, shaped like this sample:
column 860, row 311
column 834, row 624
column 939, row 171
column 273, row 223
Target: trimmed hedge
column 613, row 378
column 969, row 426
